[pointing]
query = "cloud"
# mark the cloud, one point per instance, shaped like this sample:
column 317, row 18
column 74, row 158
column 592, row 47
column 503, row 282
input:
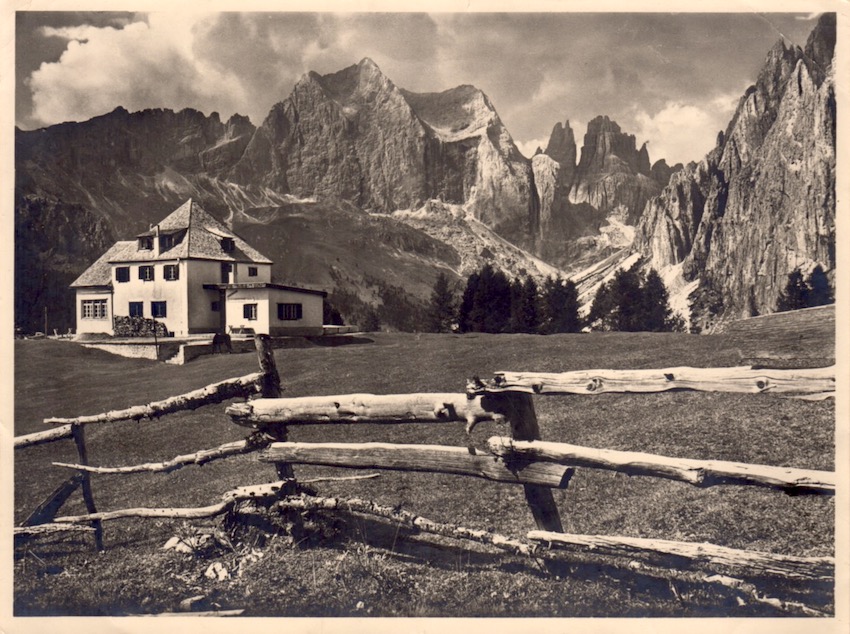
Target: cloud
column 139, row 66
column 537, row 68
column 683, row 132
column 528, row 148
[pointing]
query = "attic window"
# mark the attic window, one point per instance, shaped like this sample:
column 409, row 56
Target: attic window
column 227, row 245
column 146, row 243
column 166, row 241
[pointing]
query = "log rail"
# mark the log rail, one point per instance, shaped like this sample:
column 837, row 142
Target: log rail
column 742, row 379
column 520, row 458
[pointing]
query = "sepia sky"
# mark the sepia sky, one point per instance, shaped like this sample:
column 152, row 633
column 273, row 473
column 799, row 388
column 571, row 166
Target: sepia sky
column 670, row 79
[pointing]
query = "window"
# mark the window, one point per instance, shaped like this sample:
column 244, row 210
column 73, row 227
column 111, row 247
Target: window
column 122, row 274
column 252, row 271
column 171, row 272
column 146, row 273
column 158, row 310
column 146, row 243
column 137, row 309
column 94, row 309
column 166, row 241
column 289, row 312
column 227, row 245
column 249, row 311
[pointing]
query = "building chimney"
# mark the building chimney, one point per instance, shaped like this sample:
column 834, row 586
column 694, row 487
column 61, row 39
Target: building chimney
column 156, row 241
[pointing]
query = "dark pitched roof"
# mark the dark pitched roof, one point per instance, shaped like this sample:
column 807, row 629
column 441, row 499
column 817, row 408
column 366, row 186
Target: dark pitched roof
column 197, row 235
column 100, row 273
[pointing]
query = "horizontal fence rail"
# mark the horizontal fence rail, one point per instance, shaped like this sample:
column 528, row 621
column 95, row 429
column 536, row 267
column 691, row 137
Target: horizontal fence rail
column 209, row 395
column 737, row 379
column 362, row 408
column 520, row 458
column 41, row 437
column 699, row 473
column 655, row 550
column 238, row 447
column 429, row 458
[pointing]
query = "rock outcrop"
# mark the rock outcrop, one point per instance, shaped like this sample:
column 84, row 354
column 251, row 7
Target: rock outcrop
column 588, row 209
column 354, row 135
column 762, row 202
column 613, row 173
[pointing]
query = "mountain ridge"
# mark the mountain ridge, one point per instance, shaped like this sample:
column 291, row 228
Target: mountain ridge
column 444, row 165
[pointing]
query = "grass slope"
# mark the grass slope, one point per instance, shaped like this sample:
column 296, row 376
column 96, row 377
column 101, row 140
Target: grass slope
column 360, row 259
column 368, row 568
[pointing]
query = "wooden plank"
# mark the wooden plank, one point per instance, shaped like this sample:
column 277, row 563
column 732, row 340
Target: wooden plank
column 426, row 458
column 819, row 396
column 40, row 437
column 361, row 408
column 88, row 496
column 699, row 473
column 46, row 511
column 214, row 393
column 270, row 388
column 46, row 529
column 207, row 613
column 256, row 441
column 738, row 379
column 660, row 552
column 258, row 491
column 401, row 516
column 518, row 410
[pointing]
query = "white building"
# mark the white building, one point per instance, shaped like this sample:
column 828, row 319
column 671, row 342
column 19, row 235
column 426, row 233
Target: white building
column 194, row 275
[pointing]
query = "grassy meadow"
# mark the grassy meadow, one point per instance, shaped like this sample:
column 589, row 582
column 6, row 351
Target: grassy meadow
column 354, row 567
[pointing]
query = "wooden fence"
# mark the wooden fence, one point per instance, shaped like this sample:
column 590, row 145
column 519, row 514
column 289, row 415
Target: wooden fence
column 522, row 458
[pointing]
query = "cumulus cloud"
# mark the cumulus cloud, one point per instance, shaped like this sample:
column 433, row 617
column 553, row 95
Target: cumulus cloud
column 143, row 65
column 654, row 74
column 683, row 132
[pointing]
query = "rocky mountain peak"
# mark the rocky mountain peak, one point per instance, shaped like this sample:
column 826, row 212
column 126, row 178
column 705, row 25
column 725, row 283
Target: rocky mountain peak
column 607, row 148
column 562, row 145
column 762, row 203
column 458, row 111
column 820, row 47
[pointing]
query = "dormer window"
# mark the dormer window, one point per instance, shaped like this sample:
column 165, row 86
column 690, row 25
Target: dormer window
column 146, row 243
column 166, row 241
column 227, row 245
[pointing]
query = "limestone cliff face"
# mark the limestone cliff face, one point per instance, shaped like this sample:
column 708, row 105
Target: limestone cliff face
column 355, row 135
column 588, row 209
column 762, row 202
column 127, row 167
column 612, row 172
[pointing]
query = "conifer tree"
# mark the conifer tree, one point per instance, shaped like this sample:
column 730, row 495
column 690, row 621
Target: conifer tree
column 796, row 293
column 441, row 310
column 464, row 318
column 602, row 307
column 516, row 321
column 820, row 291
column 529, row 321
column 559, row 306
column 628, row 301
column 657, row 315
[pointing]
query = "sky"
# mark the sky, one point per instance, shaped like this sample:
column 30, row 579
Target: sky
column 672, row 80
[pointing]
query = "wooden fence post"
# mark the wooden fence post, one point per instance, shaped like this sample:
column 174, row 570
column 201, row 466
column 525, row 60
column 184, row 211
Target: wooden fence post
column 518, row 410
column 80, row 442
column 271, row 388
